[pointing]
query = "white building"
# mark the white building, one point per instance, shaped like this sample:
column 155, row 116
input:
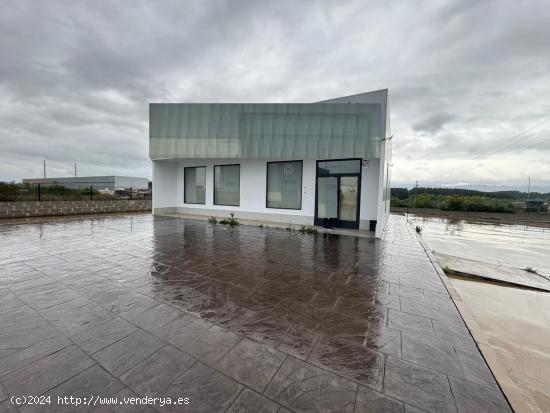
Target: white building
column 293, row 163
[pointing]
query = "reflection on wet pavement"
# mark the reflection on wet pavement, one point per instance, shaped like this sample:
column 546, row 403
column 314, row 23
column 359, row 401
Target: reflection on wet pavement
column 308, row 322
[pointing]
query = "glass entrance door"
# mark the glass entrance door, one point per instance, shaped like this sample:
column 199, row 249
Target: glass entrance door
column 349, row 186
column 338, row 189
column 327, row 197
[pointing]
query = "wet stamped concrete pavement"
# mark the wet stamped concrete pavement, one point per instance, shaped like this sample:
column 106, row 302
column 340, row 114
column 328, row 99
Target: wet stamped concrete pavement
column 242, row 319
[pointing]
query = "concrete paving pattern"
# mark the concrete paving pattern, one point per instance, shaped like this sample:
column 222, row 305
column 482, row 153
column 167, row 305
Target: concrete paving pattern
column 236, row 319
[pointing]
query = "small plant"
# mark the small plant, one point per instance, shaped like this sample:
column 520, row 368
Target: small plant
column 288, row 228
column 418, row 229
column 231, row 221
column 531, row 270
column 308, row 229
column 261, row 226
column 213, row 220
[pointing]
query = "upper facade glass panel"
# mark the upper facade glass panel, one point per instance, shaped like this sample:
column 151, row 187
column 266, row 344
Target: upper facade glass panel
column 345, row 166
column 227, row 130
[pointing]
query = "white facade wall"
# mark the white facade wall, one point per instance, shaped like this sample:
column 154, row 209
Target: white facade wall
column 168, row 191
column 165, row 186
column 369, row 193
column 383, row 204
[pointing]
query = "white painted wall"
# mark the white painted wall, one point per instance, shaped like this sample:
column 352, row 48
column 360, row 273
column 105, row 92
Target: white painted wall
column 383, row 200
column 369, row 193
column 164, row 184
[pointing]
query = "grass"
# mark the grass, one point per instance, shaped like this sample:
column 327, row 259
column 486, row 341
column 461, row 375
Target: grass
column 213, row 220
column 531, row 270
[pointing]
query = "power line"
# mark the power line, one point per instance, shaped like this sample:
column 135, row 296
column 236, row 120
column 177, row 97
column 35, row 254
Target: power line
column 545, row 140
column 511, row 141
column 511, row 145
column 532, row 145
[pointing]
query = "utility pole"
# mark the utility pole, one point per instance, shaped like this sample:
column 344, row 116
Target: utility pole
column 75, row 170
column 484, row 190
column 415, row 192
column 529, row 189
column 44, row 169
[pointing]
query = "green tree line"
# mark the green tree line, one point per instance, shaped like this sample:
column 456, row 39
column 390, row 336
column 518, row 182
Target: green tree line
column 405, row 193
column 451, row 199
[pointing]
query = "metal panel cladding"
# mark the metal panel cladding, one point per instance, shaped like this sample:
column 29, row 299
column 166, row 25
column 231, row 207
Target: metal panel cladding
column 281, row 130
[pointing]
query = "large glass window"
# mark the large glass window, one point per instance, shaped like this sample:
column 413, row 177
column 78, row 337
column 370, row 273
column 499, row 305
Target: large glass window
column 227, row 185
column 194, row 185
column 284, row 185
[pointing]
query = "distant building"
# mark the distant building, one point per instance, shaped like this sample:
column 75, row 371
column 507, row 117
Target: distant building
column 100, row 183
column 305, row 163
column 539, row 204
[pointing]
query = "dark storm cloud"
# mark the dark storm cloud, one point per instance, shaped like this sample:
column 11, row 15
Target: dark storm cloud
column 76, row 77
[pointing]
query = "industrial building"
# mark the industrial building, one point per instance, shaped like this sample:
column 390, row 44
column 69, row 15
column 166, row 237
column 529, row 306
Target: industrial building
column 293, row 163
column 100, row 183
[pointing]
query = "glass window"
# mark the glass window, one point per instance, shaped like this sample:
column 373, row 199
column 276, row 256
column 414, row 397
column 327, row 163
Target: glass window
column 348, row 166
column 194, row 185
column 227, row 185
column 284, row 185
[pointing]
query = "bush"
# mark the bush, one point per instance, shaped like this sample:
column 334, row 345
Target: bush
column 425, row 201
column 477, row 204
column 454, row 203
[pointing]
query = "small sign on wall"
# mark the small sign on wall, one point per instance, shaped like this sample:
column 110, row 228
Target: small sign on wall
column 365, row 163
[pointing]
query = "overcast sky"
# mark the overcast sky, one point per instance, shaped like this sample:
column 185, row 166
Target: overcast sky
column 465, row 77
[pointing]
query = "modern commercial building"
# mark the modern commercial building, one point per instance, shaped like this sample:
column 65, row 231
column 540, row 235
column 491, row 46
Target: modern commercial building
column 293, row 163
column 100, row 183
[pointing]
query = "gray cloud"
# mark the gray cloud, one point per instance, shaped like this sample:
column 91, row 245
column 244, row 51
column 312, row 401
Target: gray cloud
column 433, row 123
column 76, row 77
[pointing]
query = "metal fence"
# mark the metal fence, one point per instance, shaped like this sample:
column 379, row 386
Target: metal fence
column 39, row 192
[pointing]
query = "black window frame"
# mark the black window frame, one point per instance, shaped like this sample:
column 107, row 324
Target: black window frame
column 340, row 223
column 184, row 197
column 214, row 186
column 301, row 183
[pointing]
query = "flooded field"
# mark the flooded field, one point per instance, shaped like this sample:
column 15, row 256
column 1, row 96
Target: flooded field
column 517, row 246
